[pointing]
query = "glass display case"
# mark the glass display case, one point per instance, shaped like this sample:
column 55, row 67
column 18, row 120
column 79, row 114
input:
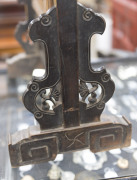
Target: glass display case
column 81, row 165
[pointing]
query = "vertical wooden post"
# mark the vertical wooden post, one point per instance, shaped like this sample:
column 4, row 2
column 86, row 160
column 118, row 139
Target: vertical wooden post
column 67, row 28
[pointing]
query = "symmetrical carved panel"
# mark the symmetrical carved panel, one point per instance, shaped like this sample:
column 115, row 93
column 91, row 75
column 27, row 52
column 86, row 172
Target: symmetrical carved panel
column 40, row 146
column 68, row 100
column 45, row 29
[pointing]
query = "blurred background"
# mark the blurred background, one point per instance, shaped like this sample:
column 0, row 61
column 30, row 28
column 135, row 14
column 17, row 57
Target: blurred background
column 121, row 29
column 116, row 49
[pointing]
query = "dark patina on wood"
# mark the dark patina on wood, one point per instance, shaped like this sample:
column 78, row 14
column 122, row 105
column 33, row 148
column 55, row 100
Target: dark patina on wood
column 68, row 101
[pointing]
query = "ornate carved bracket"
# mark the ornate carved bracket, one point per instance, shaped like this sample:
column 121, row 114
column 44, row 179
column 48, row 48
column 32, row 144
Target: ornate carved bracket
column 68, row 101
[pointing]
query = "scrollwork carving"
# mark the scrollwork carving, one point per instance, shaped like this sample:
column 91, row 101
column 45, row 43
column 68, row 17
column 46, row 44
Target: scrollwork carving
column 87, row 15
column 105, row 77
column 42, row 97
column 38, row 115
column 46, row 20
column 76, row 91
column 47, row 98
column 93, row 100
column 34, row 87
column 101, row 105
column 95, row 87
column 89, row 93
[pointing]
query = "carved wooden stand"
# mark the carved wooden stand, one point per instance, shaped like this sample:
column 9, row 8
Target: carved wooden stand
column 68, row 101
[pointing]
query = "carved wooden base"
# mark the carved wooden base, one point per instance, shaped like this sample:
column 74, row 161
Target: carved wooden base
column 32, row 145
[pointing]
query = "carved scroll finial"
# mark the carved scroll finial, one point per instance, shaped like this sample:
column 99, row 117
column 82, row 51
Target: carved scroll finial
column 72, row 55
